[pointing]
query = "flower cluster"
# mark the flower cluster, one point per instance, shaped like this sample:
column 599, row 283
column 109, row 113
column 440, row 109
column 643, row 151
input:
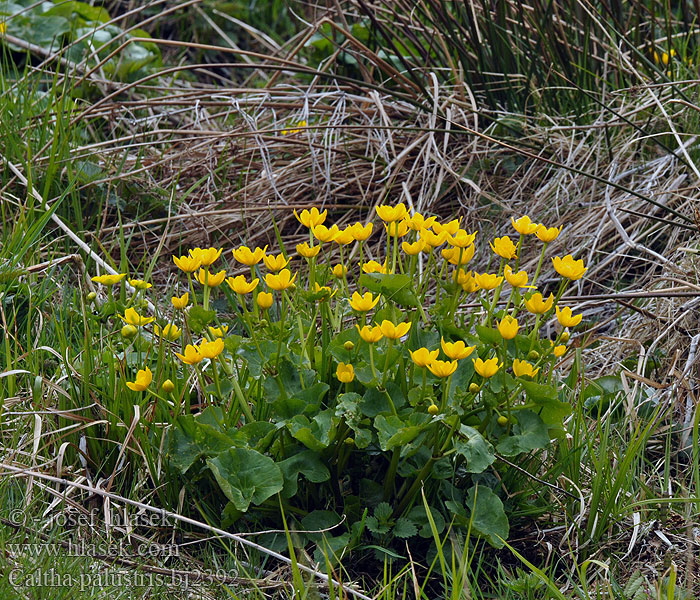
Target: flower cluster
column 448, row 249
column 342, row 352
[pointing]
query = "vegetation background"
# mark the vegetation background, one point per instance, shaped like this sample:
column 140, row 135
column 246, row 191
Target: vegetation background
column 132, row 130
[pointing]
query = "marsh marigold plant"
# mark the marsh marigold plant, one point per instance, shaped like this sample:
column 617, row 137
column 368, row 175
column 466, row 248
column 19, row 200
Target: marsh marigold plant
column 364, row 387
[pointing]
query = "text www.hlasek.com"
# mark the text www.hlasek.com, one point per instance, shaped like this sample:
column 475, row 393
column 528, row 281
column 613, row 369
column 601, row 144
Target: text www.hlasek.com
column 96, row 549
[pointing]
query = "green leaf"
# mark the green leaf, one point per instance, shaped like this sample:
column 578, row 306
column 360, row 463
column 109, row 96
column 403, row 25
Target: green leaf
column 488, row 335
column 394, row 433
column 42, row 30
column 314, row 434
column 306, row 463
column 488, row 518
column 199, row 318
column 538, row 392
column 375, row 402
column 418, row 516
column 404, row 528
column 66, row 9
column 529, row 433
column 189, row 440
column 317, row 520
column 395, row 287
column 383, row 511
column 259, row 434
column 375, row 527
column 478, row 452
column 246, row 476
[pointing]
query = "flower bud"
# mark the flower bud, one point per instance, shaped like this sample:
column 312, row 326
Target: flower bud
column 503, row 420
column 91, row 296
column 168, row 386
column 564, row 337
column 433, row 409
column 474, row 388
column 349, row 441
column 129, row 331
column 533, row 355
column 348, row 345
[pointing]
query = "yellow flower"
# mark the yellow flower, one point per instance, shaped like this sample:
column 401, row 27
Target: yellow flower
column 466, row 280
column 264, row 300
column 133, row 318
column 370, row 334
column 188, row 264
column 218, row 332
column 524, row 226
column 325, row 234
column 442, row 368
column 143, row 380
column 211, row 349
column 423, row 357
column 456, row 350
column 487, row 281
column 504, row 247
column 413, row 249
column 180, row 303
column 210, row 279
column 365, row 302
column 394, row 332
column 568, row 267
column 345, row 373
column 537, row 305
column 458, row 256
column 326, row 291
column 291, row 131
column 487, row 368
column 311, row 218
column 248, row 257
column 390, row 214
column 560, row 350
column 374, row 267
column 129, row 331
column 206, row 256
column 275, row 262
column 169, row 332
column 139, row 284
column 508, row 327
column 461, row 239
column 339, row 271
column 191, row 356
column 280, row 281
column 517, row 280
column 361, row 232
column 3, row 28
column 450, row 228
column 396, row 228
column 344, row 236
column 109, row 279
column 417, row 222
column 567, row 319
column 522, row 368
column 548, row 235
column 308, row 251
column 433, row 239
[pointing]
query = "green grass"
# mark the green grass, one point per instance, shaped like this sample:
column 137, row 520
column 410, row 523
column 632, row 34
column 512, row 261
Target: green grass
column 58, row 374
